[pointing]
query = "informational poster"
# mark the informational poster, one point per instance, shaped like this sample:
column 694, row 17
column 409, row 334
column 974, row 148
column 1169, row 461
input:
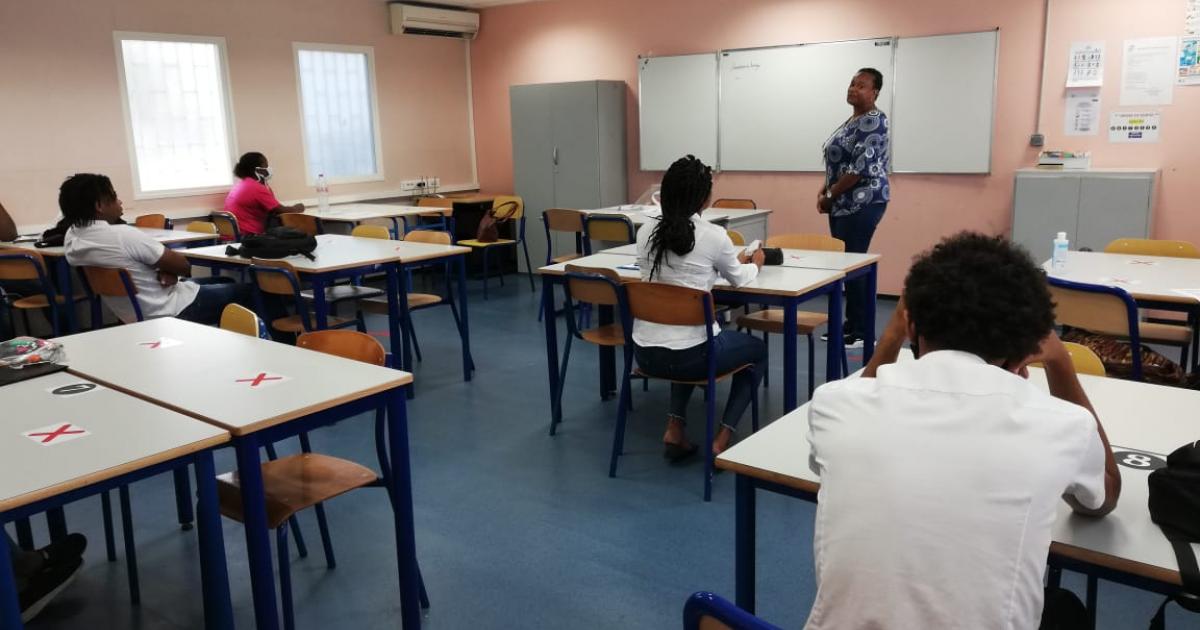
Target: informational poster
column 1083, row 113
column 1189, row 61
column 1148, row 71
column 1086, row 66
column 1129, row 127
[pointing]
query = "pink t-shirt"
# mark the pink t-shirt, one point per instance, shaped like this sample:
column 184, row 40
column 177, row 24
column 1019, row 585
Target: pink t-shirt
column 251, row 201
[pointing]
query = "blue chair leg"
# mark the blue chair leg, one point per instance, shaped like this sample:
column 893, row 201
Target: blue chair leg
column 766, row 381
column 110, row 545
column 562, row 379
column 285, row 578
column 529, row 267
column 619, row 431
column 424, row 595
column 754, row 411
column 135, row 594
column 412, row 336
column 710, row 404
column 301, row 548
column 812, row 377
column 326, row 541
column 485, row 272
column 183, row 498
column 24, row 534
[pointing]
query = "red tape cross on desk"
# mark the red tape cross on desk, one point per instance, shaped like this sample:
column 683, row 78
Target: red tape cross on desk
column 52, row 434
column 262, row 379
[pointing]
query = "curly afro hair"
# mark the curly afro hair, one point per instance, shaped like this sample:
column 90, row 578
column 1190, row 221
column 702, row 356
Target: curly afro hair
column 979, row 294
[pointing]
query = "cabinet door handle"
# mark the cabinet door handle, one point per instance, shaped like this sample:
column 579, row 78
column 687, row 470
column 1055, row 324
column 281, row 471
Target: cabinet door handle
column 554, row 157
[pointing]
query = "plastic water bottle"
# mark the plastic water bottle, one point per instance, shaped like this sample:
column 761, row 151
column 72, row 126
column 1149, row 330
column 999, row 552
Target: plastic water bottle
column 1058, row 260
column 322, row 193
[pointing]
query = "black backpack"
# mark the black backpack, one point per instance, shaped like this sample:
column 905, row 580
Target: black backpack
column 1175, row 507
column 277, row 242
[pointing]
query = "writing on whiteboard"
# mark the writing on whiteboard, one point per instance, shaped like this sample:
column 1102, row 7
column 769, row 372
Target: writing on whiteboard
column 746, row 66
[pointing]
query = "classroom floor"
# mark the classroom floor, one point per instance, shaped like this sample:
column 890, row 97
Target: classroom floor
column 514, row 528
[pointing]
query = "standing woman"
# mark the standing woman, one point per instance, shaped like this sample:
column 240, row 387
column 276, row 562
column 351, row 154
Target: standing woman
column 683, row 249
column 250, row 199
column 856, row 190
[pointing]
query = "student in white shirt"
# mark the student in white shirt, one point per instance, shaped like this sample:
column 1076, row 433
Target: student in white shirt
column 940, row 477
column 91, row 204
column 683, row 249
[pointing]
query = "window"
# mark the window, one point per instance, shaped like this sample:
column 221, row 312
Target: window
column 340, row 118
column 177, row 111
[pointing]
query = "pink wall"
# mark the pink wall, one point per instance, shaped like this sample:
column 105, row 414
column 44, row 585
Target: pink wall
column 60, row 104
column 570, row 40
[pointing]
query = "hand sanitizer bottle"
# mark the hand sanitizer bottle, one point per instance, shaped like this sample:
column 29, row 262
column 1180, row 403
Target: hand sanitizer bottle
column 322, row 193
column 1058, row 260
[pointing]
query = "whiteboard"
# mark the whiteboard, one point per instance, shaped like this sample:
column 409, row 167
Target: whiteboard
column 944, row 103
column 677, row 111
column 779, row 105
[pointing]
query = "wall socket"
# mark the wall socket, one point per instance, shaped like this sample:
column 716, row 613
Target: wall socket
column 425, row 184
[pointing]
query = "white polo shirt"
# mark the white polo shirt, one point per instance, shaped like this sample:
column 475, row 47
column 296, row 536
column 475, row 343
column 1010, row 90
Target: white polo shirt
column 126, row 247
column 940, row 480
column 713, row 254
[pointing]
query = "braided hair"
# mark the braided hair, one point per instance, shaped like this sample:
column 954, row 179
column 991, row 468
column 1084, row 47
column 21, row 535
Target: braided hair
column 685, row 190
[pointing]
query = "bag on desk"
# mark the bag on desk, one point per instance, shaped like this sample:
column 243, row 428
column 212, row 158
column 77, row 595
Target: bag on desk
column 1175, row 507
column 772, row 256
column 278, row 242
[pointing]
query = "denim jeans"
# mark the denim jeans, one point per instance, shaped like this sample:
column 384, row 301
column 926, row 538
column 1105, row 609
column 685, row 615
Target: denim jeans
column 856, row 231
column 733, row 349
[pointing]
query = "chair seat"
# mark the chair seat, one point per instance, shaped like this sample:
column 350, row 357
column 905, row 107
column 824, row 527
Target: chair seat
column 476, row 243
column 379, row 305
column 564, row 258
column 41, row 301
column 771, row 321
column 295, row 324
column 607, row 335
column 1165, row 333
column 344, row 292
column 702, row 382
column 295, row 483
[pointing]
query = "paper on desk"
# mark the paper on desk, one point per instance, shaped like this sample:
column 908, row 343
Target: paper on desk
column 1192, row 293
column 1115, row 280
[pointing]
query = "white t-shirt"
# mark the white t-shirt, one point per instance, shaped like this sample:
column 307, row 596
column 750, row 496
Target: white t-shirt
column 126, row 247
column 713, row 254
column 940, row 480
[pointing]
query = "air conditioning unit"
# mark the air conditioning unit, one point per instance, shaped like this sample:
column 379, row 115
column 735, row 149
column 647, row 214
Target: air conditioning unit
column 411, row 19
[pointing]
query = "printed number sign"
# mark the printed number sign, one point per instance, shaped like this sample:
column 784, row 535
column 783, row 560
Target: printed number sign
column 1140, row 461
column 73, row 388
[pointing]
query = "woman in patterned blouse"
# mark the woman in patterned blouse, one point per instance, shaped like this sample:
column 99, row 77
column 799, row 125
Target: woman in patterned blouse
column 856, row 190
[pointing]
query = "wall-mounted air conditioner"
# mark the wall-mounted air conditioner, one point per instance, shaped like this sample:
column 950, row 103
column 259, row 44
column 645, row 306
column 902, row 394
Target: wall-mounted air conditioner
column 411, row 19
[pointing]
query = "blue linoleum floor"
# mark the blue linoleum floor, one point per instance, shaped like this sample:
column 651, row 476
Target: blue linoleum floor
column 515, row 529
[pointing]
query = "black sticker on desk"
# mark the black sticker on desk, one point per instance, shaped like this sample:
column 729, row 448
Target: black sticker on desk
column 1139, row 461
column 73, row 388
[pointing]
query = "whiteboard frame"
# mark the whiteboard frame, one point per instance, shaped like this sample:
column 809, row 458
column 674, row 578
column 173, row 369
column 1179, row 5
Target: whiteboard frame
column 717, row 69
column 991, row 120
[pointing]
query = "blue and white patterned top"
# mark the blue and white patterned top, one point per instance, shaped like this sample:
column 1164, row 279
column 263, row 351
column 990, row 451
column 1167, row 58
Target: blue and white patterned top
column 861, row 146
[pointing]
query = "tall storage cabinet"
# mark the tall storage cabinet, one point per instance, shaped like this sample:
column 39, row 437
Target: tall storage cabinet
column 1093, row 207
column 568, row 152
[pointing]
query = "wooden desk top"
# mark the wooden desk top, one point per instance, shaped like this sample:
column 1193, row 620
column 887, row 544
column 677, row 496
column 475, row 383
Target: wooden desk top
column 123, row 434
column 1136, row 416
column 214, row 374
column 1144, row 277
column 337, row 251
column 166, row 237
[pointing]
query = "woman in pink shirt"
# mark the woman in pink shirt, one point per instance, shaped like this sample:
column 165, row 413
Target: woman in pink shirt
column 251, row 200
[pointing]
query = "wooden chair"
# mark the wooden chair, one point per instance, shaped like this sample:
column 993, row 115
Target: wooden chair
column 297, row 482
column 706, row 611
column 239, row 319
column 607, row 228
column 1152, row 247
column 770, row 321
column 1100, row 309
column 513, row 209
column 1082, row 358
column 279, row 277
column 736, row 237
column 110, row 282
column 735, row 204
column 567, row 221
column 155, row 221
column 23, row 265
column 227, row 226
column 306, row 223
column 203, row 227
column 371, row 231
column 442, row 219
column 677, row 306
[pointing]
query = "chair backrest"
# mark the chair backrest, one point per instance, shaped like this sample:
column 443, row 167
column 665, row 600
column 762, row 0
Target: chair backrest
column 203, row 227
column 433, row 237
column 277, row 277
column 614, row 228
column 669, row 304
column 1099, row 309
column 156, row 221
column 1152, row 247
column 1085, row 361
column 735, row 204
column 348, row 344
column 706, row 611
column 306, row 223
column 112, row 282
column 501, row 205
column 563, row 220
column 446, row 205
column 227, row 225
column 736, row 237
column 22, row 264
column 371, row 231
column 798, row 240
column 239, row 319
column 593, row 285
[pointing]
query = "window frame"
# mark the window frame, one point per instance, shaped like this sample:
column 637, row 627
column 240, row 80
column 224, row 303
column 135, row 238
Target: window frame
column 372, row 87
column 226, row 102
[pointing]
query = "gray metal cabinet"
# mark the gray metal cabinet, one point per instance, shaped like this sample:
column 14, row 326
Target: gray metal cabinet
column 1093, row 207
column 568, row 152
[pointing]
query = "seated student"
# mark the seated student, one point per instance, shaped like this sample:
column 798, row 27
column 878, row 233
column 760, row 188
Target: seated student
column 43, row 574
column 250, row 199
column 91, row 206
column 940, row 477
column 681, row 248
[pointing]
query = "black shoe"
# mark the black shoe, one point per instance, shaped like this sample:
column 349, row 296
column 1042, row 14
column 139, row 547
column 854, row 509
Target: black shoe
column 853, row 342
column 676, row 453
column 64, row 550
column 44, row 585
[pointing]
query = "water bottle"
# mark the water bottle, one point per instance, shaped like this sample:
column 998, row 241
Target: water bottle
column 1058, row 260
column 322, row 193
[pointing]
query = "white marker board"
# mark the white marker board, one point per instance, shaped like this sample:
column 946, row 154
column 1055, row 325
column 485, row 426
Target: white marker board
column 779, row 105
column 677, row 109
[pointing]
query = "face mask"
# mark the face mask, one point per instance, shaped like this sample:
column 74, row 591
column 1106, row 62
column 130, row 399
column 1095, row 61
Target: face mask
column 263, row 173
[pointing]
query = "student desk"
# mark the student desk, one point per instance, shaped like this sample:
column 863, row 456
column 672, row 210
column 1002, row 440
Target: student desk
column 641, row 214
column 260, row 392
column 1124, row 546
column 126, row 440
column 785, row 287
column 359, row 212
column 339, row 256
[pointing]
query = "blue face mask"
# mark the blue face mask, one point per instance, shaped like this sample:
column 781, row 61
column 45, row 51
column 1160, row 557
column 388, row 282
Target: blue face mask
column 263, row 173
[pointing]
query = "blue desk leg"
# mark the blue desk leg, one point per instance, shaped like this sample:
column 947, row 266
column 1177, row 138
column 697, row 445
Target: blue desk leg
column 10, row 606
column 551, row 325
column 744, row 543
column 183, row 498
column 391, row 272
column 214, row 576
column 465, row 333
column 405, row 321
column 789, row 356
column 835, row 347
column 320, row 306
column 869, row 314
column 258, row 535
column 401, row 489
column 67, row 285
column 56, row 523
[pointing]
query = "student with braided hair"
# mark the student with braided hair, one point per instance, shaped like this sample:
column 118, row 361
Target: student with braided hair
column 683, row 249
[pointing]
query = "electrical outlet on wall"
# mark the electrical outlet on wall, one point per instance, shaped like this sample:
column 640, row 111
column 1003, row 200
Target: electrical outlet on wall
column 412, row 185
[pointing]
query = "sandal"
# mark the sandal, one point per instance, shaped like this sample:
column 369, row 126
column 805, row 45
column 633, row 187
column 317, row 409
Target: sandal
column 676, row 453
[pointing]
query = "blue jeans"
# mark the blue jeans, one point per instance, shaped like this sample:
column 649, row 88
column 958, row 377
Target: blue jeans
column 856, row 231
column 734, row 349
column 214, row 295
